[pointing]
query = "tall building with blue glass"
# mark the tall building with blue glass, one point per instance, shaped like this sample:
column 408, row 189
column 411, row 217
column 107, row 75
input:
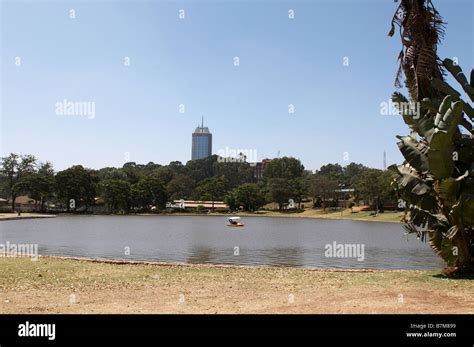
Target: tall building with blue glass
column 202, row 143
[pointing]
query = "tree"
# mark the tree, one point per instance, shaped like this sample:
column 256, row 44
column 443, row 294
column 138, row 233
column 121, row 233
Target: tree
column 164, row 173
column 14, row 167
column 133, row 172
column 212, row 189
column 201, row 169
column 235, row 173
column 149, row 191
column 286, row 168
column 374, row 185
column 231, row 200
column 351, row 172
column 437, row 178
column 112, row 173
column 77, row 185
column 37, row 186
column 177, row 167
column 180, row 187
column 279, row 191
column 284, row 180
column 248, row 195
column 116, row 194
column 332, row 171
column 322, row 188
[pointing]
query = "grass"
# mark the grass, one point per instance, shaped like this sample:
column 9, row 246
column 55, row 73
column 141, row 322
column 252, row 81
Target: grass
column 46, row 285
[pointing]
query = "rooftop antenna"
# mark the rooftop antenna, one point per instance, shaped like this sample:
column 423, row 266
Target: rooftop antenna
column 202, row 122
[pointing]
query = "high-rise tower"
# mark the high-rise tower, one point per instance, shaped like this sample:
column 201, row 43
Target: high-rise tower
column 202, row 142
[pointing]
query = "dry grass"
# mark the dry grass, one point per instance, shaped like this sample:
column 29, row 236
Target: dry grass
column 48, row 285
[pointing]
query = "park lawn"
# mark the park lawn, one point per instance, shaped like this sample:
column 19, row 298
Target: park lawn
column 54, row 285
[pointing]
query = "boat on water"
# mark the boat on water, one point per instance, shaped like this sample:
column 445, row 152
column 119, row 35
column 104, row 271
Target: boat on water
column 234, row 222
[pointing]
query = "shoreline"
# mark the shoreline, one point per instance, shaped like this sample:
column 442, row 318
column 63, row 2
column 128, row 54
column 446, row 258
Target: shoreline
column 390, row 217
column 207, row 265
column 60, row 285
column 24, row 215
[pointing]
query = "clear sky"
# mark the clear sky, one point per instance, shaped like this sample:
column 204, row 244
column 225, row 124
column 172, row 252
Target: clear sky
column 190, row 62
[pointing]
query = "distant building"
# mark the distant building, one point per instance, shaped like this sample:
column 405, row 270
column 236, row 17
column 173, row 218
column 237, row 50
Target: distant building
column 190, row 204
column 259, row 167
column 24, row 203
column 202, row 142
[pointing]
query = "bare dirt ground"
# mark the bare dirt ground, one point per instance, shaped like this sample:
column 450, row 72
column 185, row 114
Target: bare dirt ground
column 24, row 215
column 51, row 285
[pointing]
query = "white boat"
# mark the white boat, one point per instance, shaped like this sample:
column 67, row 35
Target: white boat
column 234, row 222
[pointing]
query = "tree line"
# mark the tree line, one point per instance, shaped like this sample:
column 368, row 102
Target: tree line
column 148, row 187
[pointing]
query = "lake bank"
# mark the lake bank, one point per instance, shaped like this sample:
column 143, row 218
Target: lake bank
column 387, row 217
column 366, row 216
column 52, row 285
column 15, row 216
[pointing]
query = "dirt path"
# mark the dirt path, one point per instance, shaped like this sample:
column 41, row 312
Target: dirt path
column 70, row 286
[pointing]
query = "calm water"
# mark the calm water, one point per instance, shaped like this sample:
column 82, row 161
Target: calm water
column 263, row 241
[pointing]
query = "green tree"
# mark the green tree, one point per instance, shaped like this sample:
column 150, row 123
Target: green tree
column 13, row 168
column 284, row 180
column 133, row 172
column 235, row 173
column 212, row 189
column 437, row 178
column 180, row 187
column 116, row 194
column 374, row 185
column 112, row 173
column 231, row 200
column 37, row 186
column 322, row 188
column 78, row 184
column 164, row 173
column 332, row 171
column 287, row 168
column 149, row 192
column 248, row 195
column 351, row 172
column 201, row 169
column 279, row 191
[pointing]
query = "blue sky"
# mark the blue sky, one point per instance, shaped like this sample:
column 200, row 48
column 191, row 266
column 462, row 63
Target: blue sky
column 190, row 61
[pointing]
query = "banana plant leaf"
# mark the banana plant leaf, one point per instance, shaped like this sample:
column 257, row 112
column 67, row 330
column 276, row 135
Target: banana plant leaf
column 414, row 153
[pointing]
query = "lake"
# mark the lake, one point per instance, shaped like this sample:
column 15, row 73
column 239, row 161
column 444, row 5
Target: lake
column 295, row 242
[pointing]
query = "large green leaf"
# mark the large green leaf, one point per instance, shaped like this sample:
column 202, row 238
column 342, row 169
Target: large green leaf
column 425, row 219
column 449, row 115
column 445, row 88
column 457, row 73
column 422, row 124
column 414, row 153
column 442, row 246
column 440, row 154
column 448, row 191
column 413, row 189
